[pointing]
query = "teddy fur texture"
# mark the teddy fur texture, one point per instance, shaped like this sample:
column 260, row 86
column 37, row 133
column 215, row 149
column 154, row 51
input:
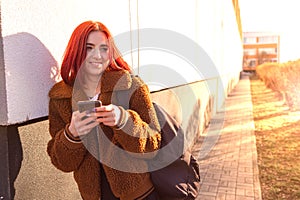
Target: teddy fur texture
column 73, row 156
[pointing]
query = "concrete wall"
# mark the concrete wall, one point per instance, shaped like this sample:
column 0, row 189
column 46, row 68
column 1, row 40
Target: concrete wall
column 34, row 35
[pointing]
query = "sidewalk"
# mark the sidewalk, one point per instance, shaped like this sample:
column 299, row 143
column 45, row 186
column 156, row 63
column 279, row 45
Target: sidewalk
column 228, row 153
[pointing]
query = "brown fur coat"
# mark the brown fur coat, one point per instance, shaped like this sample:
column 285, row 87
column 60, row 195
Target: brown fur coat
column 144, row 137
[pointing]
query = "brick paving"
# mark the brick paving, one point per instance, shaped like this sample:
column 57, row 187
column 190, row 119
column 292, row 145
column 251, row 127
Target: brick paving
column 227, row 152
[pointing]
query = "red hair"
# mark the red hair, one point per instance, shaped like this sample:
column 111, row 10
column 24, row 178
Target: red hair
column 75, row 52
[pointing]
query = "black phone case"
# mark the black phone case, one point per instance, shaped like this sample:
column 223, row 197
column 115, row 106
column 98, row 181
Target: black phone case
column 88, row 105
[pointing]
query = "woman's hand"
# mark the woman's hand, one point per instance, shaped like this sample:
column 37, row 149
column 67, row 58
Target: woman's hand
column 108, row 115
column 82, row 123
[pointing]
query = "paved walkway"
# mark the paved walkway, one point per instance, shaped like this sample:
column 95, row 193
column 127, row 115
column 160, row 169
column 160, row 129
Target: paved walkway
column 228, row 153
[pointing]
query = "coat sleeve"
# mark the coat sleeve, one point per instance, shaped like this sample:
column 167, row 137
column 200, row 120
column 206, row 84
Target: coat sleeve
column 141, row 133
column 66, row 155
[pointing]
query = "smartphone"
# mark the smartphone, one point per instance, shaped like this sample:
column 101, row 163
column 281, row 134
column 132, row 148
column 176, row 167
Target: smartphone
column 88, row 105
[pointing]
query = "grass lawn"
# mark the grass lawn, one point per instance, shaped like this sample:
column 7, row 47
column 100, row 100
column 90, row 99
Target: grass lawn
column 277, row 133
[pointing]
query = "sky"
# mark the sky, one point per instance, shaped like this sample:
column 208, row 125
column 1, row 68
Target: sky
column 279, row 16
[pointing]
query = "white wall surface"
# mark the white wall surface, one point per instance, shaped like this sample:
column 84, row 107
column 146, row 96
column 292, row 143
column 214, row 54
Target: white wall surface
column 35, row 34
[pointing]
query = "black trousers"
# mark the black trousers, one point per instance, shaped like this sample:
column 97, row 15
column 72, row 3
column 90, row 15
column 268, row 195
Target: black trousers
column 107, row 194
column 152, row 196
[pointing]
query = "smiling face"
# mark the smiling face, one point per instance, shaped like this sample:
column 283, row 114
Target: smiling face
column 98, row 54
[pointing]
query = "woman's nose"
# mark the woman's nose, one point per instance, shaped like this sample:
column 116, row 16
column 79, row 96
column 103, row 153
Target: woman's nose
column 97, row 53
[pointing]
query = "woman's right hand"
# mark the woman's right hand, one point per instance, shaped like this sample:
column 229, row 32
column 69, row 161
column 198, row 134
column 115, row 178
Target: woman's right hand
column 82, row 123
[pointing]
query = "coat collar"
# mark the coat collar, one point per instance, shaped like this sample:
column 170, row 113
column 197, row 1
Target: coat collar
column 61, row 91
column 115, row 81
column 110, row 81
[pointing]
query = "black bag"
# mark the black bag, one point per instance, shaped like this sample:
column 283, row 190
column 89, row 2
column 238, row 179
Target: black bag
column 179, row 178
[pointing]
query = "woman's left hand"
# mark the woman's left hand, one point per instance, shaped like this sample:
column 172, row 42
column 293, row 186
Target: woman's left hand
column 109, row 115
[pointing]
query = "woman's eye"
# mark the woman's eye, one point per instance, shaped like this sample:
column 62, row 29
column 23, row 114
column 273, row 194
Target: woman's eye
column 103, row 49
column 89, row 48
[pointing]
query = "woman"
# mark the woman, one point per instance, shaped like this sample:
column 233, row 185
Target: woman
column 93, row 68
